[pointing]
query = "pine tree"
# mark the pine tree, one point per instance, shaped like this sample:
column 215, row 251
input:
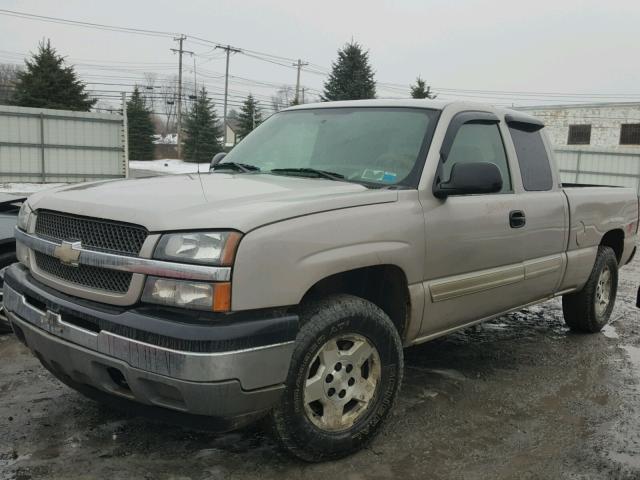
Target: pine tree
column 140, row 128
column 420, row 90
column 249, row 118
column 203, row 130
column 48, row 83
column 351, row 76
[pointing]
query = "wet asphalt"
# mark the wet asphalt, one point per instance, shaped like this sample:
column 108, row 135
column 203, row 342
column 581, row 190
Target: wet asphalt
column 520, row 397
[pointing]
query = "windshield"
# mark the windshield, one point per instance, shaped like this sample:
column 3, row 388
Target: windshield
column 377, row 146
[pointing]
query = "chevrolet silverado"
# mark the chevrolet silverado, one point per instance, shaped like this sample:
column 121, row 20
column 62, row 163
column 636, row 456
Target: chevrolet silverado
column 286, row 282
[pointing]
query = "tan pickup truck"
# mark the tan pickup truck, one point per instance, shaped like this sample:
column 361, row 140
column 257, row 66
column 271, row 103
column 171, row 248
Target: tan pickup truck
column 286, row 282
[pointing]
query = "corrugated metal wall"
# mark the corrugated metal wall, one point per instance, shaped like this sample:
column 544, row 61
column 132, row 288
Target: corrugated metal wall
column 41, row 145
column 600, row 167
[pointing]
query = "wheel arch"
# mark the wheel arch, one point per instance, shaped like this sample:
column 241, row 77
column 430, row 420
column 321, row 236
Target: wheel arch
column 615, row 240
column 383, row 285
column 7, row 246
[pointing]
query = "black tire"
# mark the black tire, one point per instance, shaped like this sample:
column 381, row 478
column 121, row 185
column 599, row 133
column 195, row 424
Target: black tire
column 579, row 309
column 321, row 321
column 6, row 259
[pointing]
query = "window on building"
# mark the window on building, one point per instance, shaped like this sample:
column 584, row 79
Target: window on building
column 630, row 134
column 579, row 135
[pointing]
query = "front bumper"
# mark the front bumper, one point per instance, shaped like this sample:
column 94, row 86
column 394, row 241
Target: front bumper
column 218, row 371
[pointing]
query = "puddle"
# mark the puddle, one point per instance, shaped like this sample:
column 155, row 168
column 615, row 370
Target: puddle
column 447, row 373
column 9, row 460
column 609, row 331
column 634, row 355
column 497, row 326
column 626, row 459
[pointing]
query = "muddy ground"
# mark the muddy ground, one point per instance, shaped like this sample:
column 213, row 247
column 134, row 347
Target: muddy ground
column 520, row 397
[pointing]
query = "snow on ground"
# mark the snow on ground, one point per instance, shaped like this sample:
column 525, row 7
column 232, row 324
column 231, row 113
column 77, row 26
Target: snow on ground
column 168, row 166
column 26, row 188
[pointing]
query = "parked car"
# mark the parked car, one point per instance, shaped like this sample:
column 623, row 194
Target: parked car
column 287, row 281
column 9, row 206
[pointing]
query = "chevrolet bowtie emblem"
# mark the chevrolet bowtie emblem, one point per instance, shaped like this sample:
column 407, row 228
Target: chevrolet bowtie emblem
column 68, row 253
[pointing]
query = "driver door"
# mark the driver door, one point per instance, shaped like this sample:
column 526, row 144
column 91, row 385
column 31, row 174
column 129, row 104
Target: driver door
column 474, row 260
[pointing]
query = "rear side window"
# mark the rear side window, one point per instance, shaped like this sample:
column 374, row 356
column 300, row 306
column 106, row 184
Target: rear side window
column 533, row 159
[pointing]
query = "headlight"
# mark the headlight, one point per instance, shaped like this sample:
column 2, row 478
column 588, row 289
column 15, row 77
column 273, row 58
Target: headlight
column 205, row 248
column 23, row 216
column 186, row 294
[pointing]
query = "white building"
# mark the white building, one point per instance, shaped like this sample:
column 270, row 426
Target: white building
column 232, row 127
column 598, row 125
column 596, row 143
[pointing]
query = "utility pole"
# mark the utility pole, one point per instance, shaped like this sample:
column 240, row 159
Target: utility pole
column 303, row 95
column 298, row 64
column 195, row 79
column 180, row 51
column 125, row 134
column 229, row 49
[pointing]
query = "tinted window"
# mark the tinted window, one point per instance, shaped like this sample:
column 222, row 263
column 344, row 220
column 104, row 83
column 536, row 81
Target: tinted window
column 479, row 143
column 533, row 160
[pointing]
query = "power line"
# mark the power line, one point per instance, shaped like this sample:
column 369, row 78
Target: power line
column 77, row 23
column 311, row 68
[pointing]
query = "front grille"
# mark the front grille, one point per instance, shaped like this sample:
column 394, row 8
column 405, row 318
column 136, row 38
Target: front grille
column 95, row 234
column 85, row 275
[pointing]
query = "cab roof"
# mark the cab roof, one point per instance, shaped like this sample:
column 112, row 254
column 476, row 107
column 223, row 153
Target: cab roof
column 419, row 103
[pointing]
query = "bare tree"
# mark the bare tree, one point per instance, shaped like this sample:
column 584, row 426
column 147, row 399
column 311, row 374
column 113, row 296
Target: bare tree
column 8, row 78
column 167, row 104
column 283, row 98
column 148, row 90
column 232, row 114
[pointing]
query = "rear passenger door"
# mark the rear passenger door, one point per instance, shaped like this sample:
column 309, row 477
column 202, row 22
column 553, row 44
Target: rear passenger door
column 544, row 234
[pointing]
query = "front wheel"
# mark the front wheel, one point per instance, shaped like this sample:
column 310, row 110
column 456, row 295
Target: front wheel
column 344, row 376
column 589, row 309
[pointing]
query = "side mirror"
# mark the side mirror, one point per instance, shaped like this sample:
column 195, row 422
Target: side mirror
column 217, row 158
column 469, row 178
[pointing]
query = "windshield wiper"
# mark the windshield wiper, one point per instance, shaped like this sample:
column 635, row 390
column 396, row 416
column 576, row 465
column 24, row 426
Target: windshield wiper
column 313, row 171
column 240, row 167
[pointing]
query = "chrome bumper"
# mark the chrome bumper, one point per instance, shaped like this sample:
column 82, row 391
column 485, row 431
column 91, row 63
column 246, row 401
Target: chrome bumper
column 272, row 360
column 89, row 371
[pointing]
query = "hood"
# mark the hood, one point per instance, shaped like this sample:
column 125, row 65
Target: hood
column 217, row 201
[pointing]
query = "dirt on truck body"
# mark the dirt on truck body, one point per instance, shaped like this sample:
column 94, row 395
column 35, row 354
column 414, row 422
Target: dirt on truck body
column 284, row 285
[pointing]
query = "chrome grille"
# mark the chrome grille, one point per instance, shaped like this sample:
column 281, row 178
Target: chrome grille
column 95, row 234
column 85, row 275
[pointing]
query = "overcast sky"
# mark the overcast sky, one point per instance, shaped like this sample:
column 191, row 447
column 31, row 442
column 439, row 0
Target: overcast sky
column 560, row 46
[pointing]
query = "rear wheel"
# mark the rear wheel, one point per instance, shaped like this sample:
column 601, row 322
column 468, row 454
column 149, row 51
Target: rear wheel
column 344, row 376
column 589, row 309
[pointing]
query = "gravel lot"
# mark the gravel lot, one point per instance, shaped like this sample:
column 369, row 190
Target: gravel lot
column 520, row 397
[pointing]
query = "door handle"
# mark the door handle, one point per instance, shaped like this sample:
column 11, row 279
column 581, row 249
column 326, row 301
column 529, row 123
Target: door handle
column 517, row 219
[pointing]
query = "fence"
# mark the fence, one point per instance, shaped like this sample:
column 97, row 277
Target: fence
column 600, row 167
column 40, row 145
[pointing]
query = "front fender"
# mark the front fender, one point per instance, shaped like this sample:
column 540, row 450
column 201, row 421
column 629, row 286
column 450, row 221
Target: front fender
column 278, row 263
